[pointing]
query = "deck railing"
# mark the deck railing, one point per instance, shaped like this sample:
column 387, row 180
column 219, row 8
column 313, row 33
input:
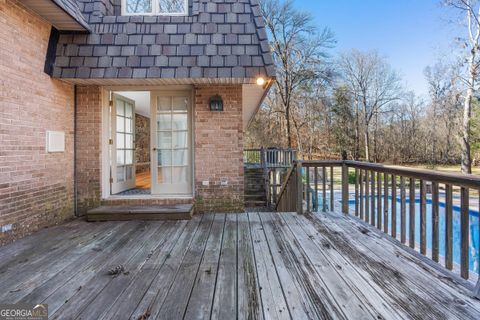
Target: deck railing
column 271, row 157
column 395, row 200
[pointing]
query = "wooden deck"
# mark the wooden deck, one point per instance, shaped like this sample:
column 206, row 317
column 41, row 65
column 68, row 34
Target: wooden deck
column 250, row 266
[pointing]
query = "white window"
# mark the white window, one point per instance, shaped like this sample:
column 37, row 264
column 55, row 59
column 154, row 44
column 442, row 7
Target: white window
column 154, row 7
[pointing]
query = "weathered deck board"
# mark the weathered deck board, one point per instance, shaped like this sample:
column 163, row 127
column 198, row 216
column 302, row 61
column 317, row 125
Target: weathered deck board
column 415, row 289
column 225, row 299
column 271, row 292
column 249, row 303
column 200, row 302
column 153, row 299
column 304, row 291
column 133, row 294
column 246, row 266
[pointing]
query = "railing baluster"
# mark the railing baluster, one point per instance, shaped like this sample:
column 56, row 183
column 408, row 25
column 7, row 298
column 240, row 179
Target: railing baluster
column 361, row 194
column 324, row 189
column 332, row 191
column 308, row 188
column 394, row 206
column 379, row 201
column 423, row 218
column 448, row 227
column 464, row 232
column 385, row 203
column 367, row 197
column 356, row 193
column 316, row 189
column 372, row 204
column 345, row 190
column 411, row 220
column 403, row 211
column 435, row 214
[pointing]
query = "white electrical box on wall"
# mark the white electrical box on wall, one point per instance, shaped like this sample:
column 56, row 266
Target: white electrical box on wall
column 55, row 141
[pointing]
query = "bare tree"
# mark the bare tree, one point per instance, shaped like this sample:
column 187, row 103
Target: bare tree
column 470, row 9
column 372, row 83
column 298, row 51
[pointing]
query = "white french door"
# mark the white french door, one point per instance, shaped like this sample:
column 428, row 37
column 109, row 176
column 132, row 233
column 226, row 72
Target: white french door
column 123, row 144
column 171, row 143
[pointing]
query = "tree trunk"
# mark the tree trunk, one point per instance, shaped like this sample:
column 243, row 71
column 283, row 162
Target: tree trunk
column 289, row 126
column 367, row 145
column 467, row 115
column 357, row 133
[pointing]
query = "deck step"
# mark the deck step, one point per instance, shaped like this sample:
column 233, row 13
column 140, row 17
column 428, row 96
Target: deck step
column 148, row 212
column 255, row 204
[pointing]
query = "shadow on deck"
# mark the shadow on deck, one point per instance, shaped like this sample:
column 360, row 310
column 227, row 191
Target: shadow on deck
column 252, row 265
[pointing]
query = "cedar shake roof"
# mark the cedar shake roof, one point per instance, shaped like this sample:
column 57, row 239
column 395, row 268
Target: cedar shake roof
column 218, row 39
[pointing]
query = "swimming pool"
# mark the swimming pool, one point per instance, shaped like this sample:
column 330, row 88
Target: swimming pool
column 474, row 228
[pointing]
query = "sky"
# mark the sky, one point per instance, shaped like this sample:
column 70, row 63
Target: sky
column 411, row 34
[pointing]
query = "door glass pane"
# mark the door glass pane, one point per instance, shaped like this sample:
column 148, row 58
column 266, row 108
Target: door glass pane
column 128, row 125
column 180, row 174
column 180, row 139
column 164, row 140
column 120, row 108
column 164, row 175
column 128, row 110
column 120, row 157
column 164, row 121
column 120, row 124
column 128, row 156
column 164, row 104
column 120, row 141
column 129, row 141
column 180, row 157
column 120, row 174
column 164, row 157
column 180, row 104
column 180, row 121
column 129, row 172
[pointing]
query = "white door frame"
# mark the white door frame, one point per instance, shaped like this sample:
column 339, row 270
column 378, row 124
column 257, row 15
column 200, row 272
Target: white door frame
column 116, row 186
column 172, row 190
column 106, row 93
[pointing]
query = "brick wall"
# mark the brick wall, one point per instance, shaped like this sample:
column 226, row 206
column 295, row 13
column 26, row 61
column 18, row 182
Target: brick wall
column 89, row 155
column 36, row 188
column 219, row 150
column 142, row 143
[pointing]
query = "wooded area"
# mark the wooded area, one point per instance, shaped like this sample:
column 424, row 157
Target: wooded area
column 355, row 102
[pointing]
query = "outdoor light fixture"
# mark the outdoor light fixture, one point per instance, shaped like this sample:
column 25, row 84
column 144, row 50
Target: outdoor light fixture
column 216, row 103
column 260, row 81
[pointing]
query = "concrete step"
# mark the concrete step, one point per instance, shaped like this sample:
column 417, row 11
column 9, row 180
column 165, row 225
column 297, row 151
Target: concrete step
column 147, row 212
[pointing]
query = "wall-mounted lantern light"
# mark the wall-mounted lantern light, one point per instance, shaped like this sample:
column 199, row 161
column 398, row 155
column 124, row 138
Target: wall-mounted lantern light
column 216, row 103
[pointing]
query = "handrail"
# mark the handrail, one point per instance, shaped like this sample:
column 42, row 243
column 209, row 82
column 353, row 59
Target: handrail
column 465, row 180
column 378, row 194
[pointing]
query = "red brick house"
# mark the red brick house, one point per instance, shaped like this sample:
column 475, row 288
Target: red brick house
column 125, row 102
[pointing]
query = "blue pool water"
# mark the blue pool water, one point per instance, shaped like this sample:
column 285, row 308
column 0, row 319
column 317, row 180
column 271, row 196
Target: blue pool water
column 474, row 228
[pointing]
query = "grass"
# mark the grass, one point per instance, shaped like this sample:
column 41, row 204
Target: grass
column 443, row 168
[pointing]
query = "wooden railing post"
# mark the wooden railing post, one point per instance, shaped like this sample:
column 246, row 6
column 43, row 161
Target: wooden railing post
column 344, row 188
column 299, row 199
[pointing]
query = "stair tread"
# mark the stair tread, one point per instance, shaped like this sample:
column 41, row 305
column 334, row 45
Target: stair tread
column 157, row 209
column 135, row 212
